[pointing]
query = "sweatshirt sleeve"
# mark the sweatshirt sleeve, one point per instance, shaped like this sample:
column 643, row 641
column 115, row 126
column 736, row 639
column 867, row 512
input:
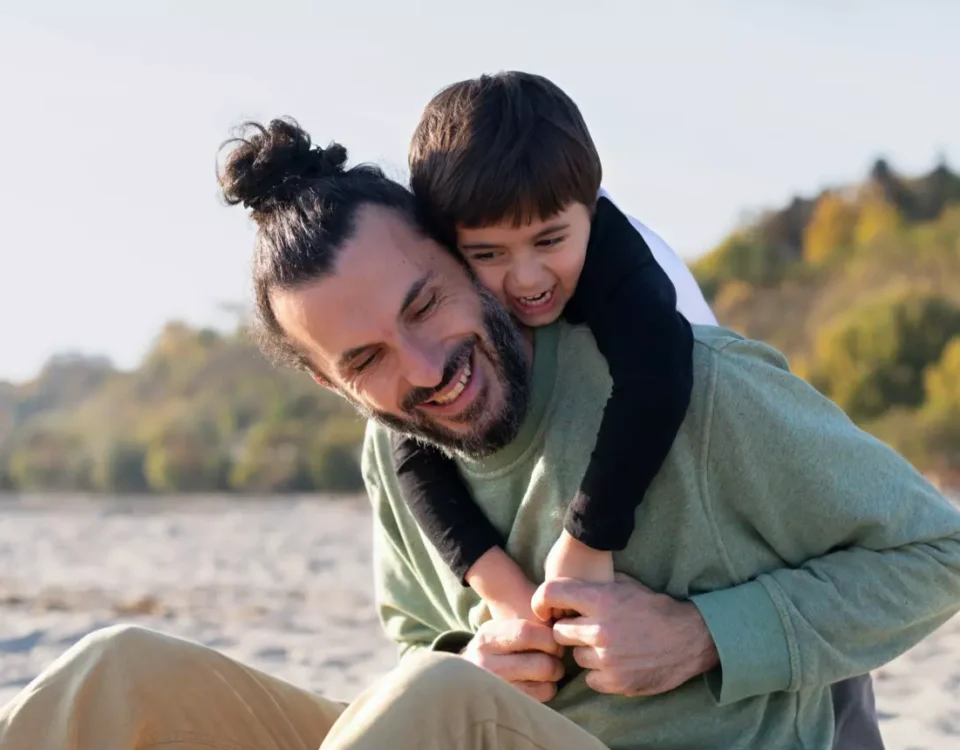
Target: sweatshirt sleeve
column 863, row 553
column 408, row 613
column 631, row 307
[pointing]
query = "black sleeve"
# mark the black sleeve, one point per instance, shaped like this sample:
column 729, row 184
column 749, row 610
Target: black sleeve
column 630, row 304
column 441, row 504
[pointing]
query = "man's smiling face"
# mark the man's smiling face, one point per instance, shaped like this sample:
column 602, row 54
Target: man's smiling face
column 402, row 330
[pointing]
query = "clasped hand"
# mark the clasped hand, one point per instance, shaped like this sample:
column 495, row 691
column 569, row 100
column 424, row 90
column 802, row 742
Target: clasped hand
column 630, row 640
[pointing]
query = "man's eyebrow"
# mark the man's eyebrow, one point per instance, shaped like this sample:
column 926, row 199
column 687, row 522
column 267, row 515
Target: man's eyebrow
column 551, row 229
column 416, row 288
column 414, row 291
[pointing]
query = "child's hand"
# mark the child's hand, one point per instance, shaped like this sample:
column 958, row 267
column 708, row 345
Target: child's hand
column 516, row 606
column 570, row 558
column 503, row 586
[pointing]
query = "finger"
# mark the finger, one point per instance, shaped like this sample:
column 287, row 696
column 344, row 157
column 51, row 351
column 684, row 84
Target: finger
column 531, row 667
column 605, row 681
column 578, row 631
column 542, row 611
column 533, row 636
column 564, row 593
column 513, row 636
column 588, row 658
column 539, row 691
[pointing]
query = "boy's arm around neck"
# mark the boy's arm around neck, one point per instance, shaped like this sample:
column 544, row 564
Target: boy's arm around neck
column 630, row 305
column 869, row 551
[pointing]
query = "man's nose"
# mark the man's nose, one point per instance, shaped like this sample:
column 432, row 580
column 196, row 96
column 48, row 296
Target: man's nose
column 422, row 362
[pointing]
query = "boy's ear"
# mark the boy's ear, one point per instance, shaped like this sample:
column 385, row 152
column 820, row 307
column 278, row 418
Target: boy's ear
column 321, row 380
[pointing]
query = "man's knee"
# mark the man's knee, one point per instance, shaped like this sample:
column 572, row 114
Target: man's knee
column 444, row 678
column 119, row 639
column 136, row 654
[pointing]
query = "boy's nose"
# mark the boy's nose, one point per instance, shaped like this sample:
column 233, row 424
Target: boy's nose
column 526, row 278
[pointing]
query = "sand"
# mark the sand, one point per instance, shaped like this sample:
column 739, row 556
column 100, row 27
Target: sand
column 283, row 584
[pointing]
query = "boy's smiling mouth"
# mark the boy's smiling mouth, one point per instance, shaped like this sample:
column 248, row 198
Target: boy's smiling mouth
column 535, row 303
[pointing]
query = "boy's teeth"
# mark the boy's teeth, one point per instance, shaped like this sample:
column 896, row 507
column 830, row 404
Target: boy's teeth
column 537, row 299
column 457, row 389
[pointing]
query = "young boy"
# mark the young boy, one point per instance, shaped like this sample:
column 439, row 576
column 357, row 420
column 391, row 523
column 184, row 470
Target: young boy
column 505, row 170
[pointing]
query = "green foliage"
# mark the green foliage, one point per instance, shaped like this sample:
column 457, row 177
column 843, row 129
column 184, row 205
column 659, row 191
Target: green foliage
column 859, row 287
column 274, row 458
column 873, row 356
column 830, row 233
column 875, row 219
column 930, row 441
column 336, row 468
column 203, row 413
column 121, row 468
column 942, row 383
column 50, row 460
column 867, row 314
column 184, row 459
column 742, row 258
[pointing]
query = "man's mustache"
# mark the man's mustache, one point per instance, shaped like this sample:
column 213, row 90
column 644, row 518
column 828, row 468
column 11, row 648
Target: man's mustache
column 457, row 359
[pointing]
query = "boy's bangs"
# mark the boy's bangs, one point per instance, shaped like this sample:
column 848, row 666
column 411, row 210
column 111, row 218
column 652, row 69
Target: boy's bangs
column 519, row 194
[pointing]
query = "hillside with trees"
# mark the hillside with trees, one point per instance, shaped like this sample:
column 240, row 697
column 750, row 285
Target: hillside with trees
column 859, row 286
column 204, row 412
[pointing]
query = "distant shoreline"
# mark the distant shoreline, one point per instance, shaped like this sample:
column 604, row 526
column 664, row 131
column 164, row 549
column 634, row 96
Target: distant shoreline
column 57, row 500
column 183, row 501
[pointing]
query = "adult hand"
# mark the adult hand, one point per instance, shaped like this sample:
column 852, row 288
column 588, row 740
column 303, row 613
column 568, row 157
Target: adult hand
column 521, row 652
column 632, row 640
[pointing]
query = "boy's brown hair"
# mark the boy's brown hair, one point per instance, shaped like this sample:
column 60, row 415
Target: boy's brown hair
column 509, row 146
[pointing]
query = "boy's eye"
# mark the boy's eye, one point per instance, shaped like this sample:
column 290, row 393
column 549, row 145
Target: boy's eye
column 550, row 241
column 483, row 257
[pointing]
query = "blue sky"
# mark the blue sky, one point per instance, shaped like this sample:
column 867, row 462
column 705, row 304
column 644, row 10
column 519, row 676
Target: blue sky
column 113, row 112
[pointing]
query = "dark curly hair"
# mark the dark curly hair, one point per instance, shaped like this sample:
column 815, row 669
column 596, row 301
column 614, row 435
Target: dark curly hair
column 304, row 201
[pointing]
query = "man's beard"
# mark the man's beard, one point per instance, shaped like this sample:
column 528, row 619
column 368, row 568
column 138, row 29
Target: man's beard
column 488, row 433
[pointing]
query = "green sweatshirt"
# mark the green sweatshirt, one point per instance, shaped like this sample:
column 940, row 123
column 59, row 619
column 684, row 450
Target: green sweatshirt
column 813, row 551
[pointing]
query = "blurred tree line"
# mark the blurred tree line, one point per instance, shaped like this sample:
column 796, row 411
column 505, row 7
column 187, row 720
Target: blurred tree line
column 860, row 287
column 203, row 413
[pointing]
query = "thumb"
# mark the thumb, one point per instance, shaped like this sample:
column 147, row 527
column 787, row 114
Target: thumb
column 563, row 594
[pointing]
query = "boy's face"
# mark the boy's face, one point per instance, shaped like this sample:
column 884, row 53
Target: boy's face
column 533, row 269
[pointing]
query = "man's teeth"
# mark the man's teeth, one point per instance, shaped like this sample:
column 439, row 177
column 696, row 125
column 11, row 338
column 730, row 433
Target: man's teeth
column 538, row 299
column 455, row 392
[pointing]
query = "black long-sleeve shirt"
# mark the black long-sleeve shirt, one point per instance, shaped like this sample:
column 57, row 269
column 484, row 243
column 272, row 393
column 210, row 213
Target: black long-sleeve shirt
column 630, row 305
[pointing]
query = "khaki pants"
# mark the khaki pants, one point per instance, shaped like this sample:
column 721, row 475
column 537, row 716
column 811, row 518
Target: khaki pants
column 128, row 688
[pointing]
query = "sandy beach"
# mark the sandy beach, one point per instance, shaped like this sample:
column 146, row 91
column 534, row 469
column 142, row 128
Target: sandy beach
column 283, row 584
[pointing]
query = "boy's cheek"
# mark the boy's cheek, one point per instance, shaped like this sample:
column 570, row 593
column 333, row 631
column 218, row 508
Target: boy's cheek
column 493, row 281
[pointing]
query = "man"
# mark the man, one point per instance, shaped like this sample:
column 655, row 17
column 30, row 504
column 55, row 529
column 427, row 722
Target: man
column 781, row 551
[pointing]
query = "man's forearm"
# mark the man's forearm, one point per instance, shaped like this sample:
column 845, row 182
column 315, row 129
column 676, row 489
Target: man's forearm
column 835, row 617
column 870, row 551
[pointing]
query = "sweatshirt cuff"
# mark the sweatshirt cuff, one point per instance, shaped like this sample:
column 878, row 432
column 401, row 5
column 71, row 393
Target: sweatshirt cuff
column 452, row 642
column 751, row 642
